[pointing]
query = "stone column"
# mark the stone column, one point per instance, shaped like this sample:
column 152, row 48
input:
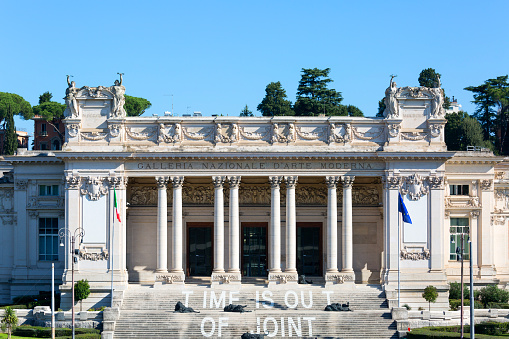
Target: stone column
column 218, row 229
column 177, row 271
column 234, row 268
column 332, row 227
column 162, row 225
column 275, row 226
column 291, row 226
column 347, row 239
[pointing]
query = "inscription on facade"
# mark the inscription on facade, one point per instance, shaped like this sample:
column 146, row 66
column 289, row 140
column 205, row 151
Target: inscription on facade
column 253, row 165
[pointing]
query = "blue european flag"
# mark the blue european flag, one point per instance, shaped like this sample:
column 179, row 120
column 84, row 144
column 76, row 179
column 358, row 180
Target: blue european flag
column 402, row 209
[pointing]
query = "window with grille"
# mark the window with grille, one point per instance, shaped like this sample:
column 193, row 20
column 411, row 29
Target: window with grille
column 459, row 227
column 458, row 189
column 48, row 239
column 48, row 190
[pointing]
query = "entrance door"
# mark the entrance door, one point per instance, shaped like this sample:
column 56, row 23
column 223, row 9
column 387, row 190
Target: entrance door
column 199, row 248
column 254, row 249
column 309, row 248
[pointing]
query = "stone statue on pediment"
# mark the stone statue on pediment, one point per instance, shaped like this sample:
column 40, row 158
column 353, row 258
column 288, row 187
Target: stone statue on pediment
column 391, row 102
column 70, row 97
column 118, row 92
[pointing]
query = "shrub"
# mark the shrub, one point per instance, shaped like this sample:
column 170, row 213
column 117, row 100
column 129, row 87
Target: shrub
column 407, row 307
column 456, row 303
column 497, row 305
column 10, row 320
column 493, row 294
column 455, row 291
column 45, row 332
column 81, row 291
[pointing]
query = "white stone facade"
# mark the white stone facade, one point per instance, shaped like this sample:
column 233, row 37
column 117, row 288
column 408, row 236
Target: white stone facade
column 271, row 179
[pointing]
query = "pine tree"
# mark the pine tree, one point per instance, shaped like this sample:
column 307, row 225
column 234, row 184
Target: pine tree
column 275, row 102
column 10, row 136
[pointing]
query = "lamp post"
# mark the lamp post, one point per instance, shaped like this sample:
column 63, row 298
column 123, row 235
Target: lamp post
column 78, row 235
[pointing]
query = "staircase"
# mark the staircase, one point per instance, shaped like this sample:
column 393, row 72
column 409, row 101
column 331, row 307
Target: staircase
column 281, row 312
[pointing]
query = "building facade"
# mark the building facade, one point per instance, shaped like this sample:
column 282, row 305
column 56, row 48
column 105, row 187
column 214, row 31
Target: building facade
column 228, row 200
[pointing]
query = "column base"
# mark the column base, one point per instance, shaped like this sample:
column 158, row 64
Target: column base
column 176, row 278
column 220, row 278
column 337, row 278
column 278, row 278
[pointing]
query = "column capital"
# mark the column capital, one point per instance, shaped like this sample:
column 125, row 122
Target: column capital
column 291, row 181
column 177, row 182
column 72, row 182
column 117, row 182
column 392, row 182
column 218, row 181
column 275, row 181
column 331, row 181
column 234, row 181
column 347, row 181
column 162, row 181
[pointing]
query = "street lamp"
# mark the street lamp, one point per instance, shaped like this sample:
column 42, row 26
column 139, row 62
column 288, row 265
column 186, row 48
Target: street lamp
column 78, row 235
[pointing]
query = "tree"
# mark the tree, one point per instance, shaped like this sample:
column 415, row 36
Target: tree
column 10, row 320
column 429, row 78
column 49, row 110
column 492, row 101
column 81, row 291
column 381, row 108
column 11, row 103
column 313, row 95
column 354, row 111
column 10, row 137
column 462, row 130
column 275, row 102
column 135, row 106
column 430, row 294
column 246, row 112
column 45, row 97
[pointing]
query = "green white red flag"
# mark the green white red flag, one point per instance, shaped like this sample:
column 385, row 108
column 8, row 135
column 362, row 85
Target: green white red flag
column 115, row 203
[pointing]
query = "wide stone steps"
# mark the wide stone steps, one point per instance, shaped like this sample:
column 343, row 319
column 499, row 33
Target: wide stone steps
column 297, row 311
column 277, row 323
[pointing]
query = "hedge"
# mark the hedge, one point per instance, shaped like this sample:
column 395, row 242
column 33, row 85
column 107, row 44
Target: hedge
column 45, row 332
column 454, row 304
column 482, row 330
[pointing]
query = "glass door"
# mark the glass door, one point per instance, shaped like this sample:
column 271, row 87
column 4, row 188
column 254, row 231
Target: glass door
column 309, row 248
column 254, row 249
column 199, row 239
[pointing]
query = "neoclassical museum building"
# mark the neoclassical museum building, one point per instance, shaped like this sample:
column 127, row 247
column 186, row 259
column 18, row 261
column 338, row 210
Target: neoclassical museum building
column 232, row 200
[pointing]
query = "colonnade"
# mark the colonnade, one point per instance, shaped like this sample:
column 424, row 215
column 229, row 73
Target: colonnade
column 275, row 225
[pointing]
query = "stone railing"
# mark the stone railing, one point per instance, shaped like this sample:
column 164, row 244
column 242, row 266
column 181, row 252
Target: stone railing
column 41, row 316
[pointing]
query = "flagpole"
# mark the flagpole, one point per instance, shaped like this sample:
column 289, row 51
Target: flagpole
column 399, row 240
column 112, row 242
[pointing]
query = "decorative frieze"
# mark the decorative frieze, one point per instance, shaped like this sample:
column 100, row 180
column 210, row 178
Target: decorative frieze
column 436, row 182
column 72, row 181
column 415, row 254
column 20, row 184
column 94, row 256
column 415, row 186
column 118, row 182
column 340, row 133
column 225, row 278
column 474, row 214
column 338, row 278
column 6, row 200
column 486, row 185
column 392, row 182
column 170, row 278
column 9, row 219
column 283, row 278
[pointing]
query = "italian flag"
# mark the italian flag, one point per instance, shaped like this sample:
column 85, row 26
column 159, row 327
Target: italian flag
column 115, row 204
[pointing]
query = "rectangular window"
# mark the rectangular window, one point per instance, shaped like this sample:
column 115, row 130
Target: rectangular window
column 48, row 239
column 459, row 227
column 44, row 132
column 458, row 189
column 48, row 190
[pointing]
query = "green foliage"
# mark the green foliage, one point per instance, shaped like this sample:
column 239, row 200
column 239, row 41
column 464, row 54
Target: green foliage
column 314, row 97
column 454, row 304
column 500, row 306
column 492, row 101
column 353, row 111
column 45, row 97
column 447, row 332
column 246, row 112
column 81, row 290
column 455, row 291
column 135, row 106
column 10, row 137
column 275, row 102
column 14, row 104
column 463, row 130
column 429, row 78
column 493, row 294
column 45, row 332
column 381, row 108
column 430, row 294
column 49, row 110
column 9, row 319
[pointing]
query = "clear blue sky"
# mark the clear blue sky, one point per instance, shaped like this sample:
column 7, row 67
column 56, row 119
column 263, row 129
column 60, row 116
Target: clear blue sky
column 217, row 56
